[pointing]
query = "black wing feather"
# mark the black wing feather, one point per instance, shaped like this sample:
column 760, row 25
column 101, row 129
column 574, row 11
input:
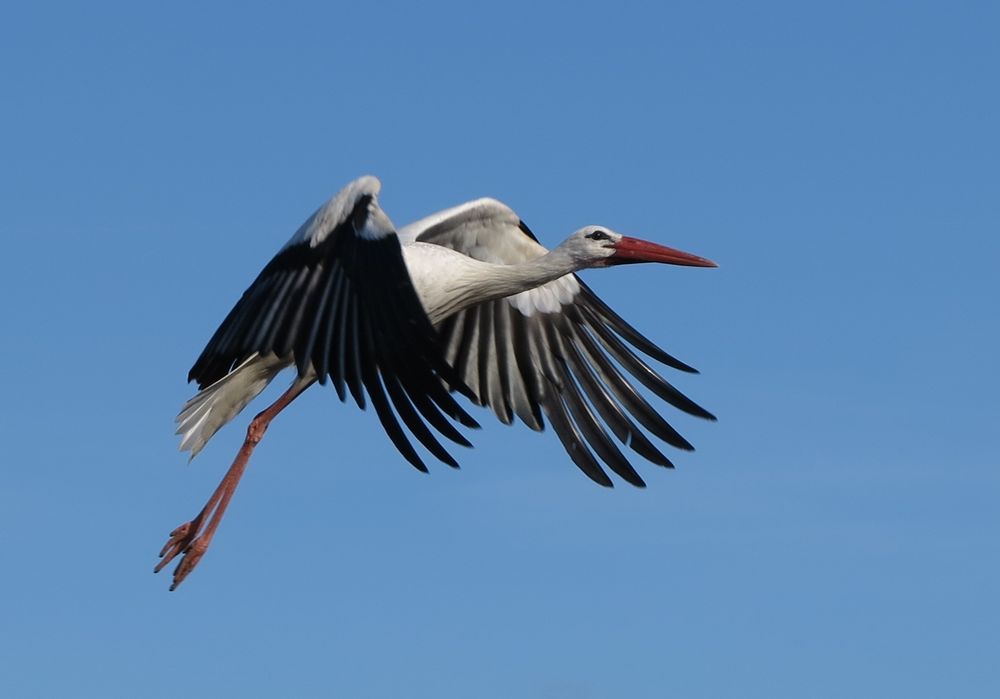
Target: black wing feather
column 345, row 308
column 570, row 368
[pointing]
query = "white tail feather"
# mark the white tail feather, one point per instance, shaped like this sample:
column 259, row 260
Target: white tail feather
column 215, row 405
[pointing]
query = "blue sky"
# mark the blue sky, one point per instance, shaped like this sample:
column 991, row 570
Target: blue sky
column 834, row 535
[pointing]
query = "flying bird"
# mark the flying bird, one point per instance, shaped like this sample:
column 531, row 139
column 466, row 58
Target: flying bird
column 465, row 301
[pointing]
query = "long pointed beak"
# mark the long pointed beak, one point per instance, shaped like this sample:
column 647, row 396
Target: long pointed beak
column 635, row 250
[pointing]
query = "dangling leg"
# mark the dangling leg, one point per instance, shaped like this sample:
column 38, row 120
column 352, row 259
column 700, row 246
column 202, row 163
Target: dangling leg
column 192, row 539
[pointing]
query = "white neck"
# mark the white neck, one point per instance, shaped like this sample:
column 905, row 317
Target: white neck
column 448, row 282
column 507, row 280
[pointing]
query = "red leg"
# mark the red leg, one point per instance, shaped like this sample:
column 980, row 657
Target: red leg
column 192, row 539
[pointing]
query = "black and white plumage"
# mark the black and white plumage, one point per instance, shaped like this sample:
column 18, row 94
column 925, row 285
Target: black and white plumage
column 337, row 303
column 465, row 301
column 549, row 350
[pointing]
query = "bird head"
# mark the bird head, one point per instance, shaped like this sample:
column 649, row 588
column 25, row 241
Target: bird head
column 598, row 246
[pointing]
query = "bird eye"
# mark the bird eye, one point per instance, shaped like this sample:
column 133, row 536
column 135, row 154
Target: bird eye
column 598, row 235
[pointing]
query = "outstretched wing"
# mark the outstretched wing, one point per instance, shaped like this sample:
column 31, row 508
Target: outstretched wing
column 557, row 351
column 338, row 302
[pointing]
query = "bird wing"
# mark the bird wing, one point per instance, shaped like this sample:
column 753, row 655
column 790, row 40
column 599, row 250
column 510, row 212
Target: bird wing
column 557, row 351
column 337, row 300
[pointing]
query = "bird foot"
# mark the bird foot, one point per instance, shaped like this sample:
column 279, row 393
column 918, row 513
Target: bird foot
column 184, row 541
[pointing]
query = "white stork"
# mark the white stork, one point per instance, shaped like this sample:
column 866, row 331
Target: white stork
column 463, row 301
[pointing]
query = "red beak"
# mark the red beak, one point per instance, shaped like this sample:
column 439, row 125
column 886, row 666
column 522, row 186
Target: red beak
column 634, row 250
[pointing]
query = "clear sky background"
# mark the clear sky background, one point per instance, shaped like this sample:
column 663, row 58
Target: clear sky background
column 836, row 533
